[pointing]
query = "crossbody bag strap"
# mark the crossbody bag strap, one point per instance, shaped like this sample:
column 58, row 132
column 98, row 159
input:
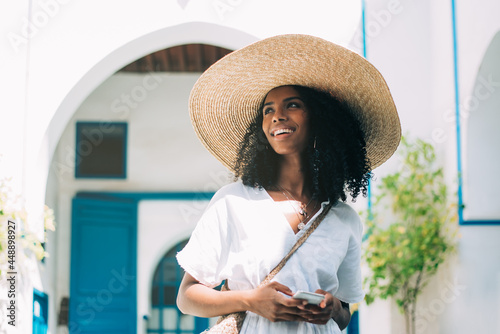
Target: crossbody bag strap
column 299, row 243
column 232, row 323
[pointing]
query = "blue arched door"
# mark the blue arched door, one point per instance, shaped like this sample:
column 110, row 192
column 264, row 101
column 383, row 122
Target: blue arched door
column 165, row 316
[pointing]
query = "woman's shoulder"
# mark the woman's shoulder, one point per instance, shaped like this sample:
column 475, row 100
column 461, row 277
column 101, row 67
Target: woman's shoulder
column 237, row 189
column 345, row 210
column 235, row 195
column 232, row 188
column 348, row 216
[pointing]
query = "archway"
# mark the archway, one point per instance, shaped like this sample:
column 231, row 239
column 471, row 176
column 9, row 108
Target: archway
column 481, row 110
column 188, row 33
column 165, row 316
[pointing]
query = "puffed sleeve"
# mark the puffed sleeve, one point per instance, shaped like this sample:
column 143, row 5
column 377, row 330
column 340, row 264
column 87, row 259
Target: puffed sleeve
column 205, row 255
column 349, row 273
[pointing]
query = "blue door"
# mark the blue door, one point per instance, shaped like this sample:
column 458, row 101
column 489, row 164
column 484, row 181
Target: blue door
column 353, row 327
column 103, row 266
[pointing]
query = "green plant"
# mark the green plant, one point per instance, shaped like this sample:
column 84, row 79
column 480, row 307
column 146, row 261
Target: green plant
column 11, row 208
column 406, row 253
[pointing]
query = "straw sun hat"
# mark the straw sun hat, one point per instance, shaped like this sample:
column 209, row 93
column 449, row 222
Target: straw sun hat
column 228, row 95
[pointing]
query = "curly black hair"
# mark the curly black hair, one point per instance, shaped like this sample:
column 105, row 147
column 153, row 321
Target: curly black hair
column 337, row 164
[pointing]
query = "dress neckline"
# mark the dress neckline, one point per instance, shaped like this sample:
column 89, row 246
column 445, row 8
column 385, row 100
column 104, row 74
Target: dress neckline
column 285, row 220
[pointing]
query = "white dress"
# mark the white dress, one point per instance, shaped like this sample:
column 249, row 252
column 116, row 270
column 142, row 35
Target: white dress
column 242, row 236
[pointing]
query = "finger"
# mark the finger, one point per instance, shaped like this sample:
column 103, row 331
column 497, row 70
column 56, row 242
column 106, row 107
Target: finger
column 293, row 311
column 306, row 306
column 312, row 307
column 286, row 317
column 318, row 310
column 293, row 303
column 283, row 313
column 281, row 288
column 296, row 313
column 319, row 319
column 328, row 298
column 323, row 303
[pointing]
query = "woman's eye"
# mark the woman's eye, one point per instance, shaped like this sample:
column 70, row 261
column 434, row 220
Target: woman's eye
column 267, row 111
column 293, row 105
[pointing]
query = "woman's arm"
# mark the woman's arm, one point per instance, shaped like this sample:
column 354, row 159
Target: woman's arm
column 268, row 301
column 341, row 315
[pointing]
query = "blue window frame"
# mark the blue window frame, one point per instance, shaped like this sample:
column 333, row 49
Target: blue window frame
column 101, row 150
column 40, row 312
column 165, row 316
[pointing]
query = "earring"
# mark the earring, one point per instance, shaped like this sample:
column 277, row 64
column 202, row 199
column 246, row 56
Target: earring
column 314, row 145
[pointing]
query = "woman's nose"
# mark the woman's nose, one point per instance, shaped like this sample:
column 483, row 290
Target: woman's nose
column 279, row 116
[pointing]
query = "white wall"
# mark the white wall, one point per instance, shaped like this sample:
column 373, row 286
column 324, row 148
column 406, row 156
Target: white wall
column 13, row 83
column 162, row 224
column 414, row 51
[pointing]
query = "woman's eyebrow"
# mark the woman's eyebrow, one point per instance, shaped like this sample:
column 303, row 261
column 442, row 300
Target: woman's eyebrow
column 285, row 100
column 292, row 98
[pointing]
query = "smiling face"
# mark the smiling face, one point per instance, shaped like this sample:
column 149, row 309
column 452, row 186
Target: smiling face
column 285, row 120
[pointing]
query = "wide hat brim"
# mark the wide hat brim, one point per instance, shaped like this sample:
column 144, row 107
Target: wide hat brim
column 227, row 96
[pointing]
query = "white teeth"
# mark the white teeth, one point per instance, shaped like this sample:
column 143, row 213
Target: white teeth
column 280, row 131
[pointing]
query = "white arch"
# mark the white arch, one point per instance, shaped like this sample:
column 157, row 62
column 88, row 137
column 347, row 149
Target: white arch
column 480, row 111
column 193, row 32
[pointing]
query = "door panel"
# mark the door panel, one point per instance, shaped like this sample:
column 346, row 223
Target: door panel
column 103, row 266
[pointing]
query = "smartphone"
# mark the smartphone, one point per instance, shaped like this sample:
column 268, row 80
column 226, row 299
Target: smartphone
column 311, row 297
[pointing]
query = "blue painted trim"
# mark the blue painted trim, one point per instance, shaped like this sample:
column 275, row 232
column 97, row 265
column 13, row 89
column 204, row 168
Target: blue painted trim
column 363, row 25
column 172, row 196
column 369, row 190
column 125, row 150
column 480, row 222
column 125, row 145
column 363, row 28
column 457, row 113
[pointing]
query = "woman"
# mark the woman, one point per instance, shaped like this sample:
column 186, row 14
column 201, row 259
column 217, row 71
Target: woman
column 299, row 120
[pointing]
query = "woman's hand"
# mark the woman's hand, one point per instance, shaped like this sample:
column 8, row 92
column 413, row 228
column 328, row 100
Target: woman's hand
column 269, row 302
column 329, row 308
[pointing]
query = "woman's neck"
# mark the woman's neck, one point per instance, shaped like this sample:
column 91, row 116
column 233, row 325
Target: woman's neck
column 291, row 177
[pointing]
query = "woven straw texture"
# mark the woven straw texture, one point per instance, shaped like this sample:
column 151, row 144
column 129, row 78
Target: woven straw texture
column 228, row 95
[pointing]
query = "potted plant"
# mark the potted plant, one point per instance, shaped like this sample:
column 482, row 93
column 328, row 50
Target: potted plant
column 418, row 234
